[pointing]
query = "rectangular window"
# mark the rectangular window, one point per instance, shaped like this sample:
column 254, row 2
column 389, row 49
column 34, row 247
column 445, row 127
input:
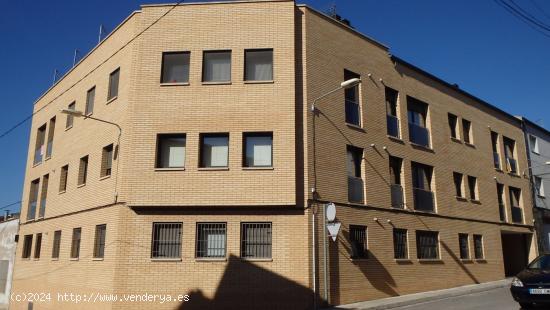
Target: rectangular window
column 417, row 112
column 106, row 161
column 211, row 240
column 56, row 244
column 355, row 180
column 496, row 155
column 216, row 66
column 534, row 144
column 51, row 131
column 38, row 246
column 509, row 148
column 83, row 170
column 515, row 198
column 75, row 244
column 358, row 241
column 33, row 199
column 214, row 150
column 392, row 118
column 463, row 242
column 171, row 150
column 397, row 200
column 99, row 240
column 400, row 247
column 467, row 131
column 427, row 244
column 39, row 149
column 90, row 98
column 258, row 65
column 27, row 246
column 43, row 195
column 175, row 67
column 258, row 149
column 70, row 119
column 256, row 240
column 113, row 84
column 63, row 178
column 4, row 269
column 453, row 125
column 166, row 241
column 458, row 184
column 352, row 100
column 539, row 186
column 501, row 206
column 422, row 187
column 478, row 246
column 472, row 186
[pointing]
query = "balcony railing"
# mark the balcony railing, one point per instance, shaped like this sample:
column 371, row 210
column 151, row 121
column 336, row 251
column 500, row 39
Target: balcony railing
column 37, row 156
column 512, row 165
column 496, row 160
column 517, row 215
column 423, row 200
column 397, row 196
column 352, row 113
column 419, row 135
column 502, row 212
column 355, row 189
column 49, row 149
column 393, row 125
column 32, row 210
column 42, row 209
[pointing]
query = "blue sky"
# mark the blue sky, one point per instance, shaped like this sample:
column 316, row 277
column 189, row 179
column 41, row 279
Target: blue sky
column 473, row 43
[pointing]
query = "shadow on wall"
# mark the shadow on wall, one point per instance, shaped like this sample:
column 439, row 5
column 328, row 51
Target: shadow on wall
column 245, row 285
column 459, row 262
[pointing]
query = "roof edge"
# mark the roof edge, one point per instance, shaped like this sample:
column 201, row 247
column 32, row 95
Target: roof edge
column 209, row 2
column 533, row 124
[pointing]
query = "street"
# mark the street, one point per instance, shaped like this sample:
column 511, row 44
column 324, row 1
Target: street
column 497, row 299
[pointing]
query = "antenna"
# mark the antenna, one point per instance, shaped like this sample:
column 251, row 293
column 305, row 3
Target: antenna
column 101, row 31
column 76, row 51
column 55, row 72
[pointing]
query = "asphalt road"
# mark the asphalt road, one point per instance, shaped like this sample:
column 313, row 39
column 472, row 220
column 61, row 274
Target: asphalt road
column 497, row 299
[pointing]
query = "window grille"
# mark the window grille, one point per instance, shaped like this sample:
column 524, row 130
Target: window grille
column 256, row 240
column 166, row 240
column 211, row 240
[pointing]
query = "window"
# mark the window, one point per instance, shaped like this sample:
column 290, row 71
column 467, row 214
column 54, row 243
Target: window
column 27, row 246
column 417, row 112
column 496, row 155
column 51, row 131
column 166, row 241
column 56, row 244
column 75, row 244
column 83, row 170
column 352, row 100
column 358, row 241
column 509, row 147
column 106, row 161
column 539, row 186
column 256, row 240
column 501, row 206
column 33, row 197
column 4, row 269
column 422, row 187
column 211, row 239
column 427, row 244
column 63, row 178
column 99, row 241
column 175, row 67
column 90, row 98
column 258, row 65
column 453, row 125
column 472, row 186
column 392, row 118
column 397, row 200
column 39, row 149
column 515, row 198
column 171, row 150
column 43, row 195
column 38, row 246
column 113, row 84
column 216, row 66
column 400, row 247
column 258, row 149
column 214, row 150
column 70, row 119
column 467, row 131
column 478, row 246
column 458, row 184
column 534, row 144
column 463, row 242
column 355, row 181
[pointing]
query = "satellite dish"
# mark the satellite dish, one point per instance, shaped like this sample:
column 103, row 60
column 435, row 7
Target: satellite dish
column 330, row 211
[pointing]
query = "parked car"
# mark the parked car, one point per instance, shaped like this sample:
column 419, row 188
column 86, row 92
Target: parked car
column 532, row 285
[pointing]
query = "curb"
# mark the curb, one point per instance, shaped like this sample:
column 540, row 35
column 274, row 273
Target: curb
column 413, row 299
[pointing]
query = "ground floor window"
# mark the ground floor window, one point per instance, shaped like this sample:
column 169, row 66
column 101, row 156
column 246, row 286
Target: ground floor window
column 400, row 243
column 166, row 241
column 358, row 241
column 256, row 240
column 211, row 240
column 478, row 246
column 427, row 244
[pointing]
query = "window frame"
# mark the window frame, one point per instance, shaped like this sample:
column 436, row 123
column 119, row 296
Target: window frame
column 107, row 162
column 83, row 170
column 461, row 185
column 245, row 78
column 534, row 144
column 348, row 74
column 230, row 66
column 269, row 244
column 263, row 134
column 110, row 96
column 365, row 246
column 162, row 68
column 69, row 120
column 178, row 246
column 406, row 243
column 100, row 241
column 474, row 192
column 205, row 250
column 158, row 154
column 76, row 242
column 56, row 244
column 455, row 130
column 26, row 250
column 468, row 135
column 479, row 255
column 201, row 149
column 38, row 246
column 460, row 245
column 437, row 245
column 539, row 186
column 63, row 178
column 89, row 107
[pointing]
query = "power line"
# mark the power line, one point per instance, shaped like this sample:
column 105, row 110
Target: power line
column 531, row 17
column 5, row 133
column 541, row 28
column 536, row 5
column 11, row 204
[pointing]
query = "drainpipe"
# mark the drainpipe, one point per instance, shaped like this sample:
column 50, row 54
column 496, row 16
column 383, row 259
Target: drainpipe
column 314, row 258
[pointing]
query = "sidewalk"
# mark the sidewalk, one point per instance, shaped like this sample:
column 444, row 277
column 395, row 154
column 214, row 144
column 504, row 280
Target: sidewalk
column 407, row 300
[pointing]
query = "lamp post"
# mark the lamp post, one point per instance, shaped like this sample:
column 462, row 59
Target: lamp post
column 76, row 113
column 344, row 85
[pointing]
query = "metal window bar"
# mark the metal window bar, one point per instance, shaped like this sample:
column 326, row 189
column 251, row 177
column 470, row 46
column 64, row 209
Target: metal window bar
column 419, row 135
column 27, row 246
column 423, row 200
column 427, row 245
column 75, row 245
column 211, row 240
column 400, row 243
column 99, row 242
column 256, row 240
column 56, row 244
column 38, row 246
column 166, row 241
column 478, row 246
column 358, row 241
column 463, row 244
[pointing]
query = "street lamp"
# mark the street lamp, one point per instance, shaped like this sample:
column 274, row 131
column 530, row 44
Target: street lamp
column 76, row 113
column 344, row 85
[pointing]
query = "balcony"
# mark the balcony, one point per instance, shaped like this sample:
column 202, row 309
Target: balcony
column 355, row 189
column 502, row 212
column 352, row 113
column 423, row 200
column 496, row 160
column 393, row 125
column 517, row 215
column 37, row 156
column 397, row 196
column 42, row 209
column 419, row 135
column 512, row 165
column 49, row 149
column 32, row 210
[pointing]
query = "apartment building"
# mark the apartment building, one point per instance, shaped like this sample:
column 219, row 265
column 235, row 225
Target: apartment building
column 191, row 163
